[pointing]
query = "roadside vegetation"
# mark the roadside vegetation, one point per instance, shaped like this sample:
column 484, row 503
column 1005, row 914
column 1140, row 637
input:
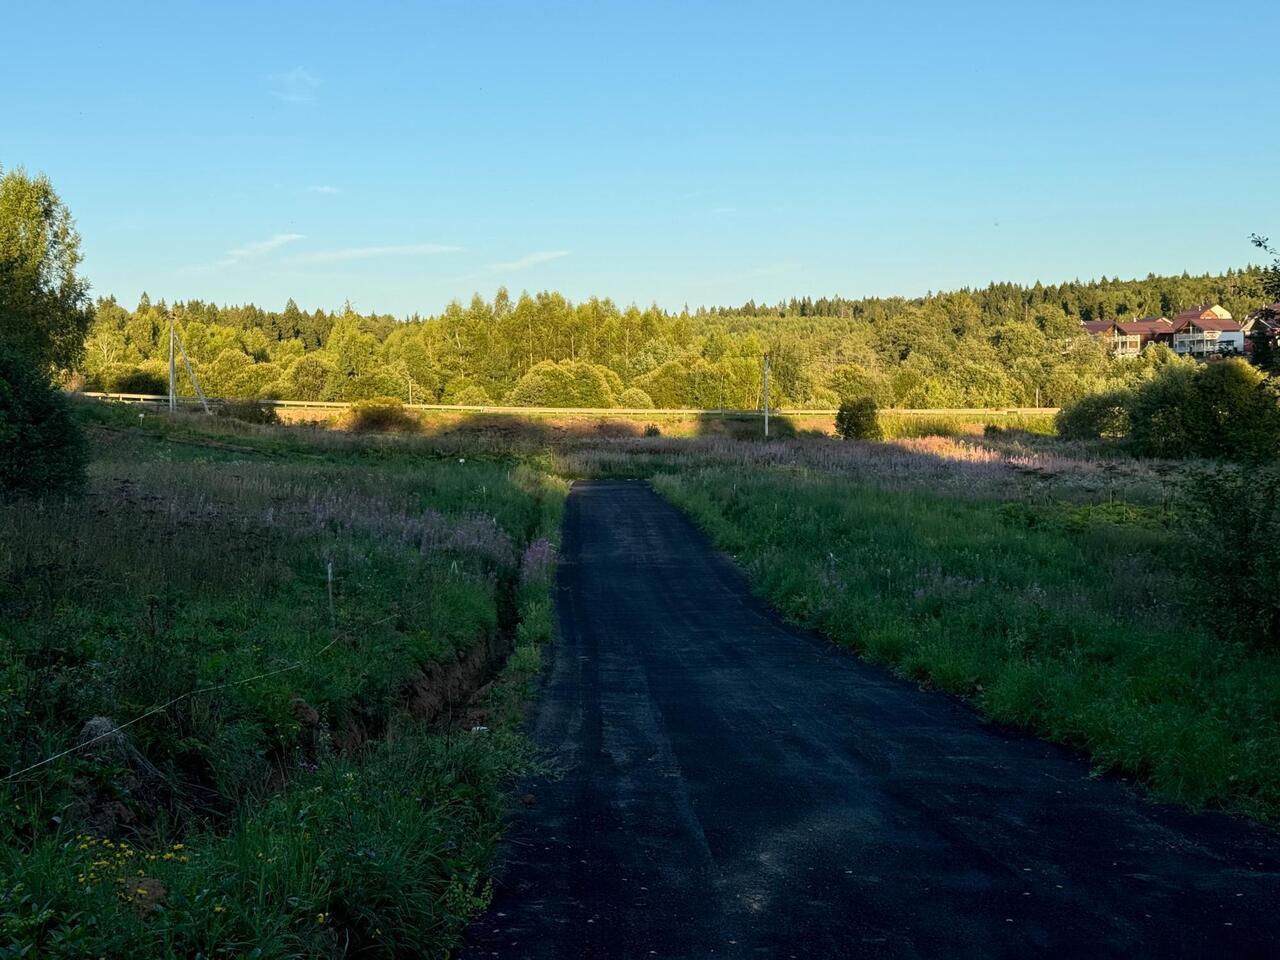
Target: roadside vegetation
column 1122, row 607
column 315, row 617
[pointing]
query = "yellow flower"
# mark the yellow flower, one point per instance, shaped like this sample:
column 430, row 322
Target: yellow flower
column 219, row 909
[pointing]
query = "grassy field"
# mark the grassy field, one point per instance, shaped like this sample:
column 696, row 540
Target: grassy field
column 1049, row 584
column 334, row 602
column 335, row 599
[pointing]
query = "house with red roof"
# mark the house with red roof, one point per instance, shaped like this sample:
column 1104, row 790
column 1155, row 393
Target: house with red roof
column 1128, row 338
column 1206, row 331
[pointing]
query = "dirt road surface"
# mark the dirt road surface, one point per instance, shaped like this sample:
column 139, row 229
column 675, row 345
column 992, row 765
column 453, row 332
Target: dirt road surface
column 735, row 787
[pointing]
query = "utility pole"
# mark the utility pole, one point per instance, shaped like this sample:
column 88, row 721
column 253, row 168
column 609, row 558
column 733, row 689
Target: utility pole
column 766, row 396
column 173, row 375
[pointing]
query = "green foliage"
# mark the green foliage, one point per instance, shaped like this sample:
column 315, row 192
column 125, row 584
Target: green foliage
column 566, row 384
column 633, row 398
column 1235, row 560
column 1065, row 619
column 1225, row 409
column 1096, row 415
column 42, row 451
column 42, row 301
column 124, row 378
column 858, row 419
column 306, row 812
column 1004, row 345
column 382, row 415
column 464, row 393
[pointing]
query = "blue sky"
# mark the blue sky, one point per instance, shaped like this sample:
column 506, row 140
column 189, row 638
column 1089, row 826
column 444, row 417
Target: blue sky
column 403, row 155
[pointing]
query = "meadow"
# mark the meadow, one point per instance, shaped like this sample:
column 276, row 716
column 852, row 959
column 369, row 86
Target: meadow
column 323, row 639
column 337, row 632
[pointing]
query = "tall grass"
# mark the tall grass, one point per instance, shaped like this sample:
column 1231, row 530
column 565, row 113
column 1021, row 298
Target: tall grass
column 1065, row 619
column 308, row 811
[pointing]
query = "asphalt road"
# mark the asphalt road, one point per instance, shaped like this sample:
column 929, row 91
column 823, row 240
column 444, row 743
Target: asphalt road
column 735, row 787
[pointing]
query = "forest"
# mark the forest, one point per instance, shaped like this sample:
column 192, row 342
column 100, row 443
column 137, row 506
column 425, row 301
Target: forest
column 1004, row 344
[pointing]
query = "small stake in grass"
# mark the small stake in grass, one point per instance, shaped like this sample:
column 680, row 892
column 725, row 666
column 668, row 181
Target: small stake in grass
column 333, row 620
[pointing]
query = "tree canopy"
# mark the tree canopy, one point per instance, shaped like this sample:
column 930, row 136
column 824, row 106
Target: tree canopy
column 1003, row 344
column 43, row 302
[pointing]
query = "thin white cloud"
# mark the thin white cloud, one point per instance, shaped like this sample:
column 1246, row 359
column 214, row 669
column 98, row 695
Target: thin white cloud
column 294, row 86
column 260, row 247
column 248, row 251
column 373, row 253
column 322, row 188
column 532, row 260
column 511, row 266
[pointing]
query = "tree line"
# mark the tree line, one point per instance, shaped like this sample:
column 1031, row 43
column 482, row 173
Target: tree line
column 1004, row 344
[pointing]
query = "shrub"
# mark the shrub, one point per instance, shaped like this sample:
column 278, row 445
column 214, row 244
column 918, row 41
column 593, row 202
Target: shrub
column 472, row 396
column 250, row 411
column 633, row 398
column 1237, row 413
column 465, row 393
column 859, row 419
column 124, row 379
column 1095, row 416
column 651, row 430
column 1224, row 409
column 570, row 383
column 41, row 448
column 382, row 415
column 1236, row 532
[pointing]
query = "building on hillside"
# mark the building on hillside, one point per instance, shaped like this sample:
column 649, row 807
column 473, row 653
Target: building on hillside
column 1206, row 331
column 1264, row 321
column 1128, row 338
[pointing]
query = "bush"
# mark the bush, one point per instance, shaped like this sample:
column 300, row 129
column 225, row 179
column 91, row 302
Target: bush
column 633, row 398
column 41, row 448
column 1095, row 416
column 1224, row 409
column 1236, row 532
column 382, row 415
column 651, row 430
column 859, row 419
column 126, row 379
column 1237, row 413
column 250, row 411
column 472, row 396
column 570, row 383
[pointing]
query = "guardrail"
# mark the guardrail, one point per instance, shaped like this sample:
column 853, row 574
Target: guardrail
column 151, row 398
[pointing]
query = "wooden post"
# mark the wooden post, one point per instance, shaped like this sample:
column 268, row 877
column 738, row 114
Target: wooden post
column 173, row 376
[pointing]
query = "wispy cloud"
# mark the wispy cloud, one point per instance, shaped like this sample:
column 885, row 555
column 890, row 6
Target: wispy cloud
column 373, row 253
column 248, row 251
column 322, row 188
column 258, row 248
column 511, row 266
column 294, row 86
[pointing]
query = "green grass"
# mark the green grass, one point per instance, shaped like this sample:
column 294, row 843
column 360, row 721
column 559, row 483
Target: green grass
column 1068, row 619
column 317, row 809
